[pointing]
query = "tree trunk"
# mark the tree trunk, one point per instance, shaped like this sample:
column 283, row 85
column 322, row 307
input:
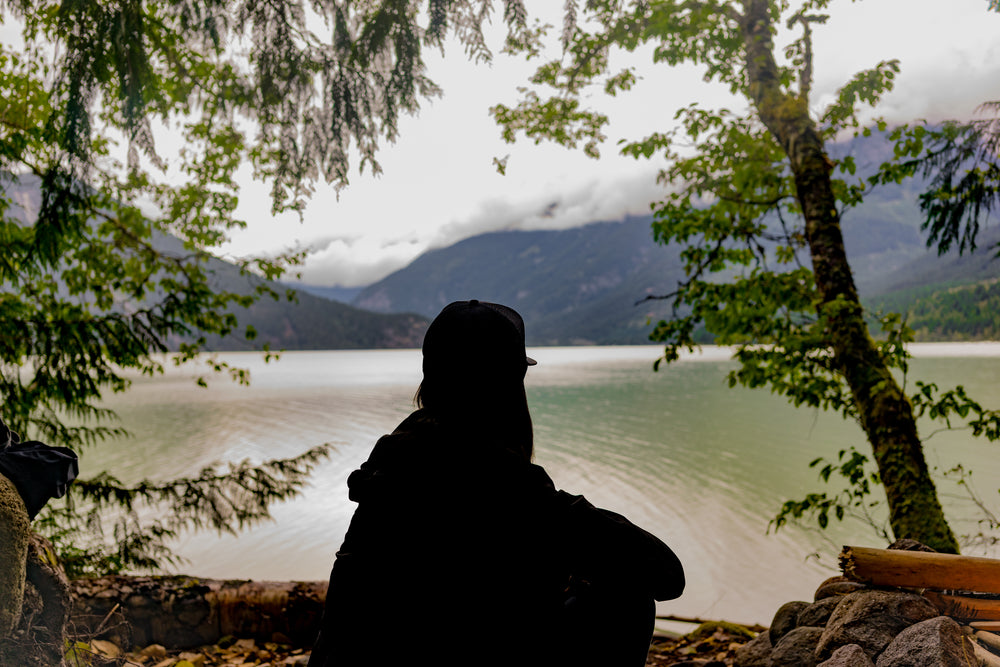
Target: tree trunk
column 14, row 531
column 39, row 639
column 884, row 411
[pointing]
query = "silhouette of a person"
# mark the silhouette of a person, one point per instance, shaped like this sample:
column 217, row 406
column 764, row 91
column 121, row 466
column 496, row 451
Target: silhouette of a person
column 462, row 551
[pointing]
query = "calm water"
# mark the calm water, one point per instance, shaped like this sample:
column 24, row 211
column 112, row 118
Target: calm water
column 701, row 465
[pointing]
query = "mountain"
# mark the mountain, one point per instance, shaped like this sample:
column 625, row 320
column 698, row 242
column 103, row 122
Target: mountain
column 572, row 286
column 581, row 285
column 312, row 323
column 335, row 293
column 949, row 297
column 308, row 322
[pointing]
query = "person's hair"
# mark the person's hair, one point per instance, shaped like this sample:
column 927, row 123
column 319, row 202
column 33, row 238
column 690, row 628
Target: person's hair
column 493, row 404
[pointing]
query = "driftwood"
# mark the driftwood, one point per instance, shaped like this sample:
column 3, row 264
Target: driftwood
column 184, row 612
column 965, row 607
column 920, row 569
column 984, row 657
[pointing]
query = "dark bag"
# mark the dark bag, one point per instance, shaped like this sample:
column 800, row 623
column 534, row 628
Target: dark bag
column 39, row 472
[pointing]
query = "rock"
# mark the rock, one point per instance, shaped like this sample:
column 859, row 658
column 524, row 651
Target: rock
column 838, row 586
column 906, row 544
column 851, row 655
column 785, row 620
column 818, row 613
column 871, row 619
column 797, row 648
column 14, row 530
column 936, row 642
column 755, row 653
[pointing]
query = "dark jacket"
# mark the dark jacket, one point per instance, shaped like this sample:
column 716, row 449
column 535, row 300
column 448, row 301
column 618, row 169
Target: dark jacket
column 467, row 554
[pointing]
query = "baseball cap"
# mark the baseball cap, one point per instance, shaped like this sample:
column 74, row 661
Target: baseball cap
column 468, row 329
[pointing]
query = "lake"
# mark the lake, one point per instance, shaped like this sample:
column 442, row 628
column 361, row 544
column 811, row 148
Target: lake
column 700, row 465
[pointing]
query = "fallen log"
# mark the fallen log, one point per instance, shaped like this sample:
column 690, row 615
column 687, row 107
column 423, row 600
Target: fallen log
column 965, row 607
column 986, row 626
column 920, row 569
column 185, row 612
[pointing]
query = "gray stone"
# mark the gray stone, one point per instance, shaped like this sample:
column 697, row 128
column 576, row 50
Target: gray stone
column 839, row 586
column 936, row 642
column 785, row 620
column 906, row 544
column 755, row 653
column 851, row 655
column 818, row 613
column 797, row 648
column 871, row 619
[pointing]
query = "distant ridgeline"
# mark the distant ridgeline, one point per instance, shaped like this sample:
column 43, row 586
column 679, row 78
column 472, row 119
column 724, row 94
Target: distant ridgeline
column 588, row 285
column 311, row 323
column 948, row 298
column 582, row 285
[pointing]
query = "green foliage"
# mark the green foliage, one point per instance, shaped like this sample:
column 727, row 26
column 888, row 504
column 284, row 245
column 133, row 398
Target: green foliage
column 960, row 161
column 855, row 501
column 748, row 196
column 962, row 312
column 107, row 241
column 224, row 500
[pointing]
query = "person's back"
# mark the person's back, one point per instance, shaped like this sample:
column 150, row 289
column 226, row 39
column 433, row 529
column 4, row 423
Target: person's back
column 463, row 552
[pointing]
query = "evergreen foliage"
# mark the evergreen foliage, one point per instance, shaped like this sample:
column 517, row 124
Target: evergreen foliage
column 110, row 264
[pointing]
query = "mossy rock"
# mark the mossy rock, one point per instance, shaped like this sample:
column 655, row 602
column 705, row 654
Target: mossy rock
column 14, row 532
column 709, row 628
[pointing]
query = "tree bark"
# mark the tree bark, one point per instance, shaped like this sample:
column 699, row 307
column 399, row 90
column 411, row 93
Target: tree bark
column 39, row 639
column 14, row 531
column 884, row 411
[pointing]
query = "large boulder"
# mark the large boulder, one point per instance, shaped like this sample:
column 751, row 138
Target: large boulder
column 851, row 655
column 755, row 653
column 785, row 620
column 837, row 587
column 14, row 531
column 936, row 642
column 872, row 619
column 797, row 648
column 818, row 613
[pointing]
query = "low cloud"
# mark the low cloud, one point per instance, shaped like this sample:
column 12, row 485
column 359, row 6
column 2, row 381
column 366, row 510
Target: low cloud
column 357, row 261
column 594, row 201
column 351, row 261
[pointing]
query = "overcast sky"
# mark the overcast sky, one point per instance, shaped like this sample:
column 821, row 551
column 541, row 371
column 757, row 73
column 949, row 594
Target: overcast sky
column 439, row 183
